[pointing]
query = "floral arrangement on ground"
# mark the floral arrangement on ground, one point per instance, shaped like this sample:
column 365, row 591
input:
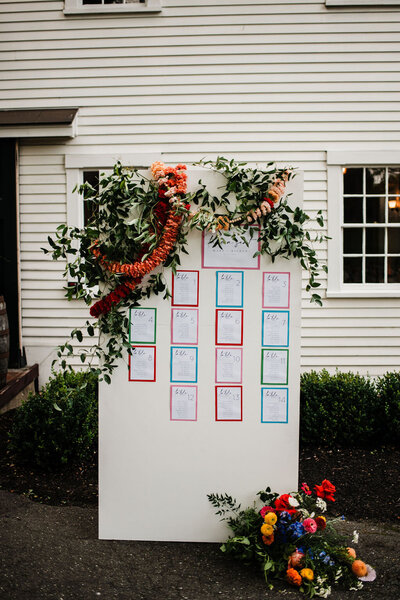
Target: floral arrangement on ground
column 289, row 538
column 139, row 226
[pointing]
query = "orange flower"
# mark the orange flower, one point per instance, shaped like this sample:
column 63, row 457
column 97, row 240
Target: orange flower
column 359, row 568
column 351, row 551
column 293, row 577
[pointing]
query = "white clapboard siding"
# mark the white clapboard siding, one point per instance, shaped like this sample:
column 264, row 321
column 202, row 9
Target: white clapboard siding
column 257, row 81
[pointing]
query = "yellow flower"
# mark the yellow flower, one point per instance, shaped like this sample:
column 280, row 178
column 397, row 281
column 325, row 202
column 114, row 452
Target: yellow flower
column 267, row 529
column 307, row 574
column 270, row 518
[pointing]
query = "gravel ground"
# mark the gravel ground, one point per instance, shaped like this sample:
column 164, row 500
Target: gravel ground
column 52, row 553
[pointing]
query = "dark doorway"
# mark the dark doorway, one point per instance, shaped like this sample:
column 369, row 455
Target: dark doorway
column 9, row 246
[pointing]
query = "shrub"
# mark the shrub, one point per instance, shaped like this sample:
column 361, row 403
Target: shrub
column 340, row 409
column 57, row 426
column 388, row 389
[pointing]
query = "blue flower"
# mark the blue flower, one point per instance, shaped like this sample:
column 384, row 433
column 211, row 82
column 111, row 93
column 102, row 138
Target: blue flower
column 296, row 530
column 322, row 554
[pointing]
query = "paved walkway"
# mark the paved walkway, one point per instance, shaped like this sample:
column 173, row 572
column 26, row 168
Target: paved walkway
column 52, row 553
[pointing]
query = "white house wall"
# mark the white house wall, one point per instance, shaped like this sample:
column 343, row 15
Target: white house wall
column 258, row 81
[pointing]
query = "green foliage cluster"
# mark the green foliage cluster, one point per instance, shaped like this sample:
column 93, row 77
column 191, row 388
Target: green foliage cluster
column 348, row 409
column 123, row 214
column 57, row 426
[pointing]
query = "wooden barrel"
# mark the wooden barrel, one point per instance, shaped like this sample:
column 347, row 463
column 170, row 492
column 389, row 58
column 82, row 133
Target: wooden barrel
column 4, row 343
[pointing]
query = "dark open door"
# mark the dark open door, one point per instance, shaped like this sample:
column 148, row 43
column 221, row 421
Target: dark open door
column 8, row 246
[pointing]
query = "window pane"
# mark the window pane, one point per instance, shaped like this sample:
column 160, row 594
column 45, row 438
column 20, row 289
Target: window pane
column 375, row 181
column 375, row 209
column 353, row 181
column 393, row 240
column 375, row 241
column 353, row 210
column 394, row 269
column 92, row 178
column 394, row 209
column 352, row 240
column 374, row 269
column 91, row 2
column 394, row 181
column 352, row 270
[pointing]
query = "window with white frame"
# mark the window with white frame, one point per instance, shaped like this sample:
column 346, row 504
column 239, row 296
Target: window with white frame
column 74, row 7
column 364, row 226
column 371, row 225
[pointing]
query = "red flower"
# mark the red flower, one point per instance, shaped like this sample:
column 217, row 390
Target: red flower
column 265, row 510
column 282, row 504
column 325, row 490
column 321, row 523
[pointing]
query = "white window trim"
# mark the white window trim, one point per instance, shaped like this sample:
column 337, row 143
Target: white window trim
column 362, row 2
column 75, row 164
column 336, row 160
column 75, row 7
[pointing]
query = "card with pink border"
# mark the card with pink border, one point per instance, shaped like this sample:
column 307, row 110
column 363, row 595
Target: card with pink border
column 228, row 365
column 183, row 403
column 185, row 326
column 233, row 254
column 276, row 289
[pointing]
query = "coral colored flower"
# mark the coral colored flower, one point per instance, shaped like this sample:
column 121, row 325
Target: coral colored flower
column 268, row 539
column 359, row 568
column 157, row 169
column 310, row 525
column 325, row 490
column 267, row 529
column 282, row 503
column 307, row 574
column 306, row 489
column 293, row 577
column 295, row 559
column 270, row 518
column 351, row 552
column 265, row 510
column 321, row 522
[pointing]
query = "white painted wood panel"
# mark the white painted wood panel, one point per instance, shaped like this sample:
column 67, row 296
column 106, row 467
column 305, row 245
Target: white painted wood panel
column 274, row 80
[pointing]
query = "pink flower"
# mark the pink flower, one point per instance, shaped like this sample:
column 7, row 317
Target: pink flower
column 296, row 559
column 306, row 489
column 310, row 525
column 265, row 510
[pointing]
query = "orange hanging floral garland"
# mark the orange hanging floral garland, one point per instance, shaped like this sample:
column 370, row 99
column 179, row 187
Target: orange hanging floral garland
column 172, row 186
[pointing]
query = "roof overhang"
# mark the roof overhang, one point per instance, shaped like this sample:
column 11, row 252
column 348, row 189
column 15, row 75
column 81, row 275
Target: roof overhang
column 38, row 123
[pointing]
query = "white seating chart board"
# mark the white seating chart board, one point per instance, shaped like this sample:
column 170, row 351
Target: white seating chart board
column 202, row 400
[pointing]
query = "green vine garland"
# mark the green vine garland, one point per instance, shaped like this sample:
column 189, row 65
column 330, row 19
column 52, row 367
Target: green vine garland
column 126, row 219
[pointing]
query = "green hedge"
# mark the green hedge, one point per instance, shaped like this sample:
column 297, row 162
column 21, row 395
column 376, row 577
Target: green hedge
column 348, row 409
column 57, row 426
